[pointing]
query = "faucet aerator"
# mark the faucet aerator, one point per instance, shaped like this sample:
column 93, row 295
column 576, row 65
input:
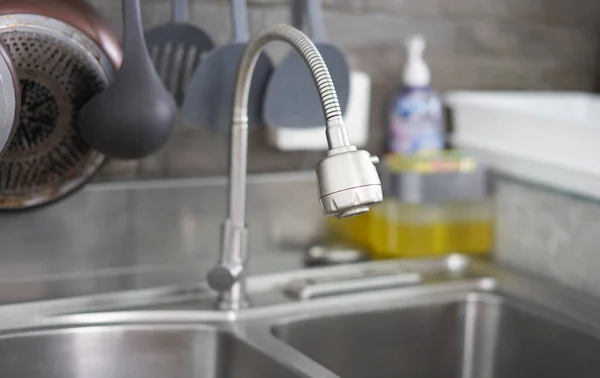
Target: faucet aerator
column 352, row 212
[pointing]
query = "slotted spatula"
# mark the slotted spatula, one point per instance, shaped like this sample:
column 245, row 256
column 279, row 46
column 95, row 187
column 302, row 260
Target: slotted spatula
column 209, row 99
column 177, row 48
column 292, row 99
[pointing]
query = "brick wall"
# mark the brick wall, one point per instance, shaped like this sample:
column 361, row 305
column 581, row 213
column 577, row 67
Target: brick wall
column 472, row 44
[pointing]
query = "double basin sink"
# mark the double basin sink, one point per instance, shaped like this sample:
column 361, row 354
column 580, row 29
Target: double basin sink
column 451, row 318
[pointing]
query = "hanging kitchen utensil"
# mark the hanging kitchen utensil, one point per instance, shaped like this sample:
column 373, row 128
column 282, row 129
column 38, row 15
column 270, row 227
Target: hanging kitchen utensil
column 209, row 99
column 135, row 115
column 63, row 55
column 177, row 48
column 300, row 107
column 10, row 99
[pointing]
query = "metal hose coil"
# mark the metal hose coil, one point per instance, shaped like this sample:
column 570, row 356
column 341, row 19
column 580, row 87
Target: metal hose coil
column 312, row 57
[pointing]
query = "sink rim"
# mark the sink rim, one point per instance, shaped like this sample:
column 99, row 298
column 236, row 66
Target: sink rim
column 483, row 278
column 93, row 327
column 255, row 326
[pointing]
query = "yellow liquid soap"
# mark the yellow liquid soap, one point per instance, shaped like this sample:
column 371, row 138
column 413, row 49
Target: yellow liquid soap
column 469, row 227
column 415, row 230
column 406, row 230
column 470, row 237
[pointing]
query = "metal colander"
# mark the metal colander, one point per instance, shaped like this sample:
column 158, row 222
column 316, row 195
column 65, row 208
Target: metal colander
column 59, row 70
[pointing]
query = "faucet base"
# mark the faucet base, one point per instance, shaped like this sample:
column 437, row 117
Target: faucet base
column 228, row 276
column 233, row 300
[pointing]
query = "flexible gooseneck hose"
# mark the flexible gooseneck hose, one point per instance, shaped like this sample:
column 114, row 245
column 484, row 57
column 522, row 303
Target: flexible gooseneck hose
column 310, row 54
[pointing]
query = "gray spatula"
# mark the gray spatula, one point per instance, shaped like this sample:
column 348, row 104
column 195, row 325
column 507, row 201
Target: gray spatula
column 177, row 48
column 292, row 99
column 209, row 99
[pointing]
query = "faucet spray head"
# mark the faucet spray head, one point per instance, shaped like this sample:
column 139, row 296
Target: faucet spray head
column 348, row 182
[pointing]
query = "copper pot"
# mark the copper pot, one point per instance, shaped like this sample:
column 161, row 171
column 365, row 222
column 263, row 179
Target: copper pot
column 76, row 13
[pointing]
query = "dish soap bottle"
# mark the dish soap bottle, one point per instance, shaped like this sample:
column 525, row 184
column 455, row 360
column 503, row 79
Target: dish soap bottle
column 416, row 118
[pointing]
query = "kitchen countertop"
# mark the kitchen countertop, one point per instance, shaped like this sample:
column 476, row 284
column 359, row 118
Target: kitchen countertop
column 144, row 235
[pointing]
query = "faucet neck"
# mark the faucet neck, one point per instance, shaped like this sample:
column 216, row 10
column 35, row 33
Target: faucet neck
column 337, row 134
column 228, row 277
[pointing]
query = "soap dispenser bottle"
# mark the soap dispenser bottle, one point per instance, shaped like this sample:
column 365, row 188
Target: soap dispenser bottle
column 416, row 117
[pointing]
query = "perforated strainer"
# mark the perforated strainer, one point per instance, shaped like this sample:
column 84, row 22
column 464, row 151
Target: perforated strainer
column 59, row 69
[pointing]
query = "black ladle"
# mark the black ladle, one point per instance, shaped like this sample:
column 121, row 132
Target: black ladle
column 134, row 116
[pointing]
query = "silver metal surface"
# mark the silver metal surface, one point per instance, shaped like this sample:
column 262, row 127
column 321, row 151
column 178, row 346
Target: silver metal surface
column 476, row 336
column 143, row 235
column 467, row 319
column 132, row 351
column 373, row 279
column 349, row 172
column 502, row 326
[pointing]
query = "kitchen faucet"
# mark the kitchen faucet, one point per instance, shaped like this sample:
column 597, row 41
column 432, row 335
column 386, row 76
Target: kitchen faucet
column 347, row 180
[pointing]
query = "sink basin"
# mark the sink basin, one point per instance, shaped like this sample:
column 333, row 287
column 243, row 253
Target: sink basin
column 479, row 336
column 461, row 319
column 130, row 351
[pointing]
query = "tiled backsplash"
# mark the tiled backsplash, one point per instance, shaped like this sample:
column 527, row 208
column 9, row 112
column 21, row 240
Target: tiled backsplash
column 472, row 44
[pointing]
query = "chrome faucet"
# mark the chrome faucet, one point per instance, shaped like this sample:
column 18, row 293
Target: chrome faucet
column 347, row 180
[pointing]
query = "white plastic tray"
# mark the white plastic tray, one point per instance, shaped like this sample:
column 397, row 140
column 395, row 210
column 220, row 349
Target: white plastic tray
column 551, row 138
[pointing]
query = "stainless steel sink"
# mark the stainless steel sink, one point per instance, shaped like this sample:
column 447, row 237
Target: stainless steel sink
column 460, row 318
column 420, row 341
column 148, row 351
column 479, row 336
